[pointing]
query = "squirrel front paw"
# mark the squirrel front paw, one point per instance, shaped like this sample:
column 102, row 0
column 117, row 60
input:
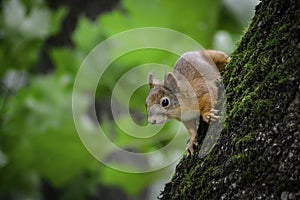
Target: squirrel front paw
column 211, row 116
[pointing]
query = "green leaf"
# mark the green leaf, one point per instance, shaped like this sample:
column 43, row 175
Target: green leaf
column 86, row 35
column 56, row 19
column 66, row 60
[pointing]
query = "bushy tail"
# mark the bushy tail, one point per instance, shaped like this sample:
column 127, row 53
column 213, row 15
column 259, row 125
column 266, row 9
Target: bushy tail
column 220, row 58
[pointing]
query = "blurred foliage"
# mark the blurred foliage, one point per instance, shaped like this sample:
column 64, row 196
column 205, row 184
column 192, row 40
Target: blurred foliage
column 24, row 29
column 38, row 139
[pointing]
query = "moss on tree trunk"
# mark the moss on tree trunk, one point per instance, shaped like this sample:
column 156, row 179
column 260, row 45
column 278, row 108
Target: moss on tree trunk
column 258, row 153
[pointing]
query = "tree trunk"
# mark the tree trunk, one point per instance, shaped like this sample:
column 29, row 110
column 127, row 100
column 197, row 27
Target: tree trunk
column 258, row 153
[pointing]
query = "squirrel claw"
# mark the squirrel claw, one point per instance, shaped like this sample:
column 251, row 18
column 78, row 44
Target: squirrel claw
column 214, row 111
column 189, row 148
column 189, row 151
column 212, row 116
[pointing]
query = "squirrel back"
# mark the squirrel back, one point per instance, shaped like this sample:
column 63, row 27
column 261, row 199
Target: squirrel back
column 207, row 63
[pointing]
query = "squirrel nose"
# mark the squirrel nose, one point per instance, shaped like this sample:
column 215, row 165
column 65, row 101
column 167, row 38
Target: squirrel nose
column 152, row 121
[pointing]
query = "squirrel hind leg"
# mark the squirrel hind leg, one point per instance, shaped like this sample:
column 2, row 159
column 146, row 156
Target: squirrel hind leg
column 191, row 126
column 190, row 148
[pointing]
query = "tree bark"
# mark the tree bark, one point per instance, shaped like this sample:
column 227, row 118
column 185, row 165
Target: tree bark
column 258, row 153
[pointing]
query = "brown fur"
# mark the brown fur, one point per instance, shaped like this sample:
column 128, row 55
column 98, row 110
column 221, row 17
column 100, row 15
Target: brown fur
column 191, row 91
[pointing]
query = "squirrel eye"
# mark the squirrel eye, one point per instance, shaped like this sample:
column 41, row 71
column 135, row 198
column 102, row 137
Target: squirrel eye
column 164, row 102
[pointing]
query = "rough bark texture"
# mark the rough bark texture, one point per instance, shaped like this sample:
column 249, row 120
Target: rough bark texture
column 258, row 153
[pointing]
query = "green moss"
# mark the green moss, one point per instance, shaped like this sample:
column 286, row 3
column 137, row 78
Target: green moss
column 246, row 176
column 243, row 141
column 239, row 158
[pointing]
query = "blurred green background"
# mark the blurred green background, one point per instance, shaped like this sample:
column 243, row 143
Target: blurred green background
column 42, row 44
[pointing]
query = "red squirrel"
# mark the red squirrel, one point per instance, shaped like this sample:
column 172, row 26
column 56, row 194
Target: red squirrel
column 188, row 92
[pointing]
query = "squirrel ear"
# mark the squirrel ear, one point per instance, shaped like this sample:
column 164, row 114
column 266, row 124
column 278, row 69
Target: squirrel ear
column 150, row 80
column 171, row 82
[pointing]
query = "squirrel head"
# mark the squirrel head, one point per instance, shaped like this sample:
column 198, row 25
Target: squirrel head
column 162, row 103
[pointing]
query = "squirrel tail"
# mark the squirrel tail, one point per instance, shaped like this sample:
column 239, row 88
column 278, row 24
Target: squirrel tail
column 220, row 58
